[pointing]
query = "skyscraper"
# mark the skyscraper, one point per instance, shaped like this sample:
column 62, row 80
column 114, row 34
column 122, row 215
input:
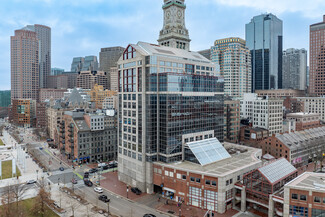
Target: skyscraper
column 264, row 40
column 317, row 59
column 90, row 64
column 174, row 33
column 295, row 69
column 24, row 65
column 77, row 64
column 234, row 59
column 43, row 34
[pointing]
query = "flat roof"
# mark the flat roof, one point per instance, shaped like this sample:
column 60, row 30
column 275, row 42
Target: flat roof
column 302, row 114
column 224, row 167
column 308, row 181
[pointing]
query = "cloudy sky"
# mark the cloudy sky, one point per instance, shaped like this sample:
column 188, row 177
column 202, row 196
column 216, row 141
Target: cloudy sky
column 82, row 27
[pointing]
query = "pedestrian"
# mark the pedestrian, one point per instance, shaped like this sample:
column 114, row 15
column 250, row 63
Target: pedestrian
column 158, row 199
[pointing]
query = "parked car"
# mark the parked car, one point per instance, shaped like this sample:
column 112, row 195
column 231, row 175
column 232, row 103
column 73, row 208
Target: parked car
column 86, row 175
column 105, row 167
column 112, row 164
column 74, row 181
column 88, row 183
column 136, row 191
column 98, row 190
column 61, row 169
column 104, row 198
column 31, row 181
column 102, row 165
column 149, row 215
column 56, row 205
column 93, row 170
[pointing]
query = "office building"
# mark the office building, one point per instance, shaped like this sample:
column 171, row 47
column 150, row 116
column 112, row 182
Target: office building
column 77, row 64
column 88, row 79
column 108, row 57
column 43, row 34
column 5, row 99
column 56, row 71
column 264, row 40
column 206, row 53
column 25, row 70
column 316, row 59
column 308, row 105
column 88, row 137
column 98, row 95
column 90, row 64
column 111, row 103
column 232, row 120
column 264, row 113
column 294, row 71
column 41, row 117
column 280, row 93
column 305, row 196
column 174, row 33
column 113, row 79
column 234, row 59
column 185, row 87
column 198, row 182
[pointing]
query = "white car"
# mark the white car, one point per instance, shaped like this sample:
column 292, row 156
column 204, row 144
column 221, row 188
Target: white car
column 98, row 190
column 30, row 182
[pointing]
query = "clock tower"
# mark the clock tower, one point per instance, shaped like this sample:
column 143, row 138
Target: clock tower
column 174, row 33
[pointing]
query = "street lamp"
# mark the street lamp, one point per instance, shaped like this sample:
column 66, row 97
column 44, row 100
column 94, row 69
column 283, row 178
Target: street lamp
column 127, row 191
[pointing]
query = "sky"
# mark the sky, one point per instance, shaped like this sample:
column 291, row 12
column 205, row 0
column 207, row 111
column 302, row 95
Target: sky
column 82, row 27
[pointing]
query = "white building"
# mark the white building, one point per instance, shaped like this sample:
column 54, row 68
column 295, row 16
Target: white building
column 263, row 112
column 312, row 105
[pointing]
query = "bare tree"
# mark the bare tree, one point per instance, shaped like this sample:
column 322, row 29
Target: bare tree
column 41, row 200
column 74, row 204
column 7, row 208
column 18, row 191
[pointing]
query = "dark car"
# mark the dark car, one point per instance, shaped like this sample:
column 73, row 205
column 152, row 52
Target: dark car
column 88, row 183
column 61, row 169
column 105, row 167
column 104, row 198
column 93, row 170
column 136, row 191
column 149, row 215
column 86, row 175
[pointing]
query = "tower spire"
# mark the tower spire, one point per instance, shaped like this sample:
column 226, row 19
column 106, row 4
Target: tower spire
column 174, row 33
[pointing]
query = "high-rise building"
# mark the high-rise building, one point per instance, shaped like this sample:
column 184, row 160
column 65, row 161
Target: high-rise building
column 88, row 79
column 174, row 33
column 317, row 59
column 77, row 64
column 90, row 64
column 232, row 120
column 56, row 71
column 25, row 69
column 294, row 69
column 43, row 34
column 113, row 79
column 234, row 59
column 108, row 58
column 167, row 98
column 264, row 40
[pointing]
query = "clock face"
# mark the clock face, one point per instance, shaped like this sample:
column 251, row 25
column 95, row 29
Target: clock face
column 179, row 14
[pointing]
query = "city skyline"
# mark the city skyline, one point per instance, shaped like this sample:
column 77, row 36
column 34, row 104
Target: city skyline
column 108, row 25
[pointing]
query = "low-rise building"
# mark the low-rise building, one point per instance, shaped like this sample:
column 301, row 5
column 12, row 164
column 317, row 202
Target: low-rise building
column 281, row 93
column 252, row 136
column 305, row 196
column 311, row 105
column 305, row 120
column 299, row 148
column 206, row 176
column 98, row 95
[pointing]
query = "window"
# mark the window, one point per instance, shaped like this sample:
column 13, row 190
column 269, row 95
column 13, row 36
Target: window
column 298, row 211
column 238, row 178
column 184, row 177
column 166, row 173
column 303, row 197
column 207, row 182
column 178, row 176
column 198, row 180
column 230, row 181
column 294, row 196
column 214, row 183
column 227, row 182
column 192, row 179
column 317, row 199
column 171, row 174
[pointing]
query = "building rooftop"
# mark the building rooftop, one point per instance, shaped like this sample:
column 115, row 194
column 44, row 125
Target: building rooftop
column 152, row 49
column 296, row 139
column 241, row 157
column 277, row 170
column 309, row 181
column 302, row 114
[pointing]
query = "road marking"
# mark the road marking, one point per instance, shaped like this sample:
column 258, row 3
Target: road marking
column 80, row 176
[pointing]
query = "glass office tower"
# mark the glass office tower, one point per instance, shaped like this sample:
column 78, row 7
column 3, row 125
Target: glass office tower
column 264, row 39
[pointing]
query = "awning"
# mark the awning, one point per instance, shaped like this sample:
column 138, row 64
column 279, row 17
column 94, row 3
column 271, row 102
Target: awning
column 168, row 189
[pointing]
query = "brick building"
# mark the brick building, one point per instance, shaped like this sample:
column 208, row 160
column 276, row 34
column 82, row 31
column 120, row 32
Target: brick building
column 232, row 120
column 22, row 112
column 41, row 117
column 305, row 120
column 208, row 186
column 88, row 79
column 98, row 95
column 46, row 94
column 251, row 136
column 281, row 93
column 305, row 196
